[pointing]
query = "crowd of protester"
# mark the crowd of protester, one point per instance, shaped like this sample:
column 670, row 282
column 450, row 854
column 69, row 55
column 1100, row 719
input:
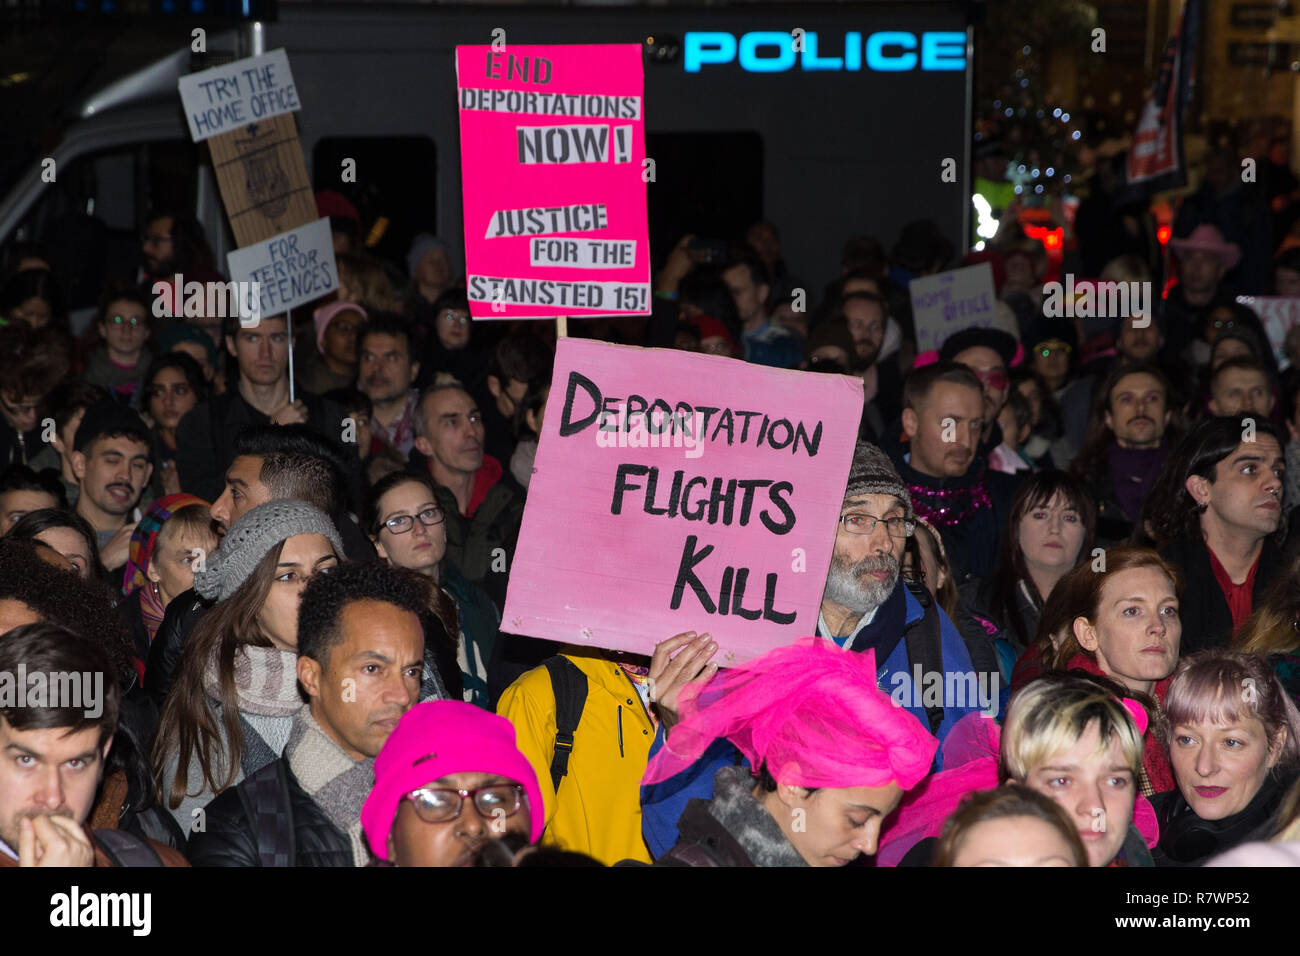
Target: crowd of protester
column 293, row 590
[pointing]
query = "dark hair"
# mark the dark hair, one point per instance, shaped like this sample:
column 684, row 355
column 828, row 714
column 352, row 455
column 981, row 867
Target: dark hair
column 1170, row 510
column 323, row 599
column 1093, row 456
column 522, row 358
column 1246, row 337
column 739, row 254
column 863, row 254
column 453, row 298
column 877, row 300
column 704, row 289
column 1036, row 491
column 32, row 361
column 297, row 463
column 388, row 323
column 50, row 649
column 33, row 284
column 182, row 362
column 768, row 782
column 190, row 250
column 62, row 597
column 134, row 296
column 1245, row 362
column 1020, row 410
column 916, row 389
column 190, row 725
column 230, row 328
column 33, row 523
column 1006, row 802
column 533, row 401
column 68, row 398
column 441, row 604
column 21, row 478
column 351, row 399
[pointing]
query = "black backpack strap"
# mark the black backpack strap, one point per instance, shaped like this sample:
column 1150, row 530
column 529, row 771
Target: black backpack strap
column 265, row 796
column 569, row 685
column 124, row 849
column 925, row 647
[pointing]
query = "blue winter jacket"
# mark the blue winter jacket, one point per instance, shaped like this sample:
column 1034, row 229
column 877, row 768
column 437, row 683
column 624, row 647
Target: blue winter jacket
column 662, row 803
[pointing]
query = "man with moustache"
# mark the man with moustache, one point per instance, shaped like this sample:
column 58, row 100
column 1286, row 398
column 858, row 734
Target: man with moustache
column 951, row 485
column 360, row 657
column 866, row 606
column 1217, row 508
column 1126, row 447
column 112, row 459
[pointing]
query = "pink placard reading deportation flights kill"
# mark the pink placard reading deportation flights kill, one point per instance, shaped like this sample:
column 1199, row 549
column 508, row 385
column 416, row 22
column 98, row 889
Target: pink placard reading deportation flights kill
column 552, row 140
column 723, row 521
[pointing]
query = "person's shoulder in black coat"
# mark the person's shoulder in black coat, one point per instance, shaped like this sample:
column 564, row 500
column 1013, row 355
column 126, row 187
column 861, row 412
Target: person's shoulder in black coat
column 229, row 837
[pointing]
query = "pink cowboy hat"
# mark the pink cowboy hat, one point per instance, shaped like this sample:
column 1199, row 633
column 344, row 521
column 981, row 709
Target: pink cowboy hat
column 1206, row 238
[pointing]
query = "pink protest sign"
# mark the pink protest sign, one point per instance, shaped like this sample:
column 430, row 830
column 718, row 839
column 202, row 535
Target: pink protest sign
column 675, row 491
column 552, row 141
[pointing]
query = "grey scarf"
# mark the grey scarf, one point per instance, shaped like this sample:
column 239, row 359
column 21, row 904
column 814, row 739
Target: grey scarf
column 751, row 826
column 337, row 783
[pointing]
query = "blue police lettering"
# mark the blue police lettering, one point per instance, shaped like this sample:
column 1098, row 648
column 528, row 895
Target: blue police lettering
column 886, row 51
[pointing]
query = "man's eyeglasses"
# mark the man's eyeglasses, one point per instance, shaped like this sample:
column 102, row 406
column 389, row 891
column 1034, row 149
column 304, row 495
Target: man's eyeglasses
column 859, row 522
column 149, row 239
column 439, row 805
column 131, row 320
column 400, row 524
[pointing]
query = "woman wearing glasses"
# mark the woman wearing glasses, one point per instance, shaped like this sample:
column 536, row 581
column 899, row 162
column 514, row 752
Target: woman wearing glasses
column 410, row 531
column 118, row 366
column 449, row 779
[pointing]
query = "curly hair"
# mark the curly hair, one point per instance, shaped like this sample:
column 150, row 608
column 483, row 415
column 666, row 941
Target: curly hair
column 325, row 596
column 64, row 598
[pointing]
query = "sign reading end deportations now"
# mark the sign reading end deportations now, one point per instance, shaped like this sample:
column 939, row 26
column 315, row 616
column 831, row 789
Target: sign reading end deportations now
column 673, row 492
column 552, row 143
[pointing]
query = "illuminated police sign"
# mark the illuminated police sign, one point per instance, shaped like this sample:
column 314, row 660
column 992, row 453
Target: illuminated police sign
column 888, row 51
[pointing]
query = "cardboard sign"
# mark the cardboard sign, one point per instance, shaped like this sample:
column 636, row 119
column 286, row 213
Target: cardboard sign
column 290, row 269
column 552, row 142
column 227, row 97
column 951, row 301
column 1277, row 314
column 675, row 491
column 262, row 175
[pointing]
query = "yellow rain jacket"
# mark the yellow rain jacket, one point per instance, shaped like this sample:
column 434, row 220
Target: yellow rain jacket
column 598, row 809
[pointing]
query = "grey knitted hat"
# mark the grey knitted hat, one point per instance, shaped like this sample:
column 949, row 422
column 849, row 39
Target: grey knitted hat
column 252, row 536
column 872, row 473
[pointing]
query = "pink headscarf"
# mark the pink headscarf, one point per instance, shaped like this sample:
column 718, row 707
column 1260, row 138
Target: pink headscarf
column 812, row 712
column 325, row 314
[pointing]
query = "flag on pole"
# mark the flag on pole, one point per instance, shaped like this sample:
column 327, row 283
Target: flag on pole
column 1156, row 162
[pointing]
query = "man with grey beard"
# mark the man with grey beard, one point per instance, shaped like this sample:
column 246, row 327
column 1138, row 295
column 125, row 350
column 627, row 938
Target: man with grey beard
column 922, row 661
column 867, row 606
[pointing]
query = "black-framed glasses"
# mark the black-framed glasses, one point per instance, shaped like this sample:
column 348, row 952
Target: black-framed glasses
column 131, row 320
column 859, row 522
column 400, row 524
column 454, row 318
column 444, row 804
